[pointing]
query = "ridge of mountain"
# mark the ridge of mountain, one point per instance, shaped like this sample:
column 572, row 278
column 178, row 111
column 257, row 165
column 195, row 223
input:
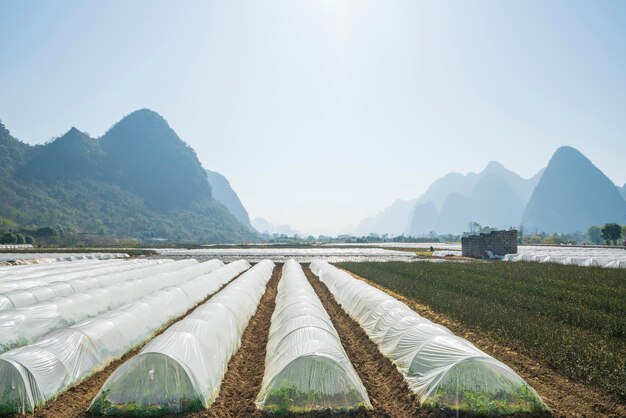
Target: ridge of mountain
column 226, row 195
column 572, row 195
column 138, row 180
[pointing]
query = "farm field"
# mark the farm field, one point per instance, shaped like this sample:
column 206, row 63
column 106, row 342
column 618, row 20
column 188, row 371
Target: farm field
column 312, row 209
column 568, row 318
column 242, row 340
column 242, row 382
column 583, row 255
column 282, row 254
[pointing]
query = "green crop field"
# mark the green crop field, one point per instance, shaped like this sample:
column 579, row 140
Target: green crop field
column 570, row 318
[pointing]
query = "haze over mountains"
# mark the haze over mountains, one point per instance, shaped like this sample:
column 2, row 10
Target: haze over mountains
column 573, row 194
column 141, row 180
column 494, row 196
column 266, row 227
column 569, row 196
column 138, row 180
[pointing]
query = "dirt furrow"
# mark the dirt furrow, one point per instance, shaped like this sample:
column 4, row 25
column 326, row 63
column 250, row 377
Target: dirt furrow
column 243, row 378
column 389, row 394
column 75, row 401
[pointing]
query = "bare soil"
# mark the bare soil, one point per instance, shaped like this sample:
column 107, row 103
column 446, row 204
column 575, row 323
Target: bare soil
column 244, row 376
column 565, row 397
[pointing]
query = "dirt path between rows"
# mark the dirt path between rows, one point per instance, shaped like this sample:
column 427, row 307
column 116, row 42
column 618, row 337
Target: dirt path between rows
column 243, row 378
column 75, row 401
column 565, row 397
column 387, row 390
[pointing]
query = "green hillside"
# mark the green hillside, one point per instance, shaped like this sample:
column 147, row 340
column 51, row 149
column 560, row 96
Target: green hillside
column 139, row 180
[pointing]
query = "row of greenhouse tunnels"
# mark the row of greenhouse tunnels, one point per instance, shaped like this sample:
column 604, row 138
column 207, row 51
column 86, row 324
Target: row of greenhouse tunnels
column 61, row 324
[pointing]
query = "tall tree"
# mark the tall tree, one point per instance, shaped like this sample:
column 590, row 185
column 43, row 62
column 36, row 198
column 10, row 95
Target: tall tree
column 611, row 232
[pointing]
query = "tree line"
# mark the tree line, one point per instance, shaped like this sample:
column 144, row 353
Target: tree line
column 609, row 233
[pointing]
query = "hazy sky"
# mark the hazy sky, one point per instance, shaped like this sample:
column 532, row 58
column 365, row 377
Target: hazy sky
column 323, row 112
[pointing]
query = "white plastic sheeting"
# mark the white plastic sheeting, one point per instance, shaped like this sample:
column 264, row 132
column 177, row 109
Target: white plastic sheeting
column 34, row 280
column 21, row 326
column 610, row 257
column 51, row 257
column 616, row 264
column 422, row 245
column 182, row 369
column 31, row 261
column 302, row 255
column 15, row 272
column 592, row 257
column 58, row 285
column 447, row 253
column 31, row 375
column 15, row 282
column 34, row 271
column 306, row 367
column 443, row 370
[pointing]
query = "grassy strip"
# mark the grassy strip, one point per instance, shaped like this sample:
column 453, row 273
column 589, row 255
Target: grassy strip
column 571, row 318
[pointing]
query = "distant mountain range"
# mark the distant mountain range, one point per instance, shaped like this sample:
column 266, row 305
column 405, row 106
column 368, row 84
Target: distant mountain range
column 567, row 196
column 265, row 227
column 141, row 180
column 496, row 197
column 393, row 220
column 138, row 180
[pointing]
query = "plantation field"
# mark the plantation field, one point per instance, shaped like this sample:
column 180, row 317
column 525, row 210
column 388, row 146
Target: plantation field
column 572, row 319
column 201, row 338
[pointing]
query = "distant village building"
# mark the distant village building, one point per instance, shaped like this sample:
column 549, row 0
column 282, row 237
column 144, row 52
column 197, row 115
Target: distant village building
column 498, row 243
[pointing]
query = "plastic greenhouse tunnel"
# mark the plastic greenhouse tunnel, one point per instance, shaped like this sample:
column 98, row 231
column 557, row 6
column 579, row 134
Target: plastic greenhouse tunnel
column 30, row 258
column 59, row 285
column 182, row 369
column 21, row 326
column 33, row 271
column 306, row 367
column 11, row 282
column 42, row 269
column 34, row 374
column 443, row 370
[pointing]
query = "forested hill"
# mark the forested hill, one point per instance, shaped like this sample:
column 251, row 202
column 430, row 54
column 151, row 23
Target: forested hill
column 138, row 180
